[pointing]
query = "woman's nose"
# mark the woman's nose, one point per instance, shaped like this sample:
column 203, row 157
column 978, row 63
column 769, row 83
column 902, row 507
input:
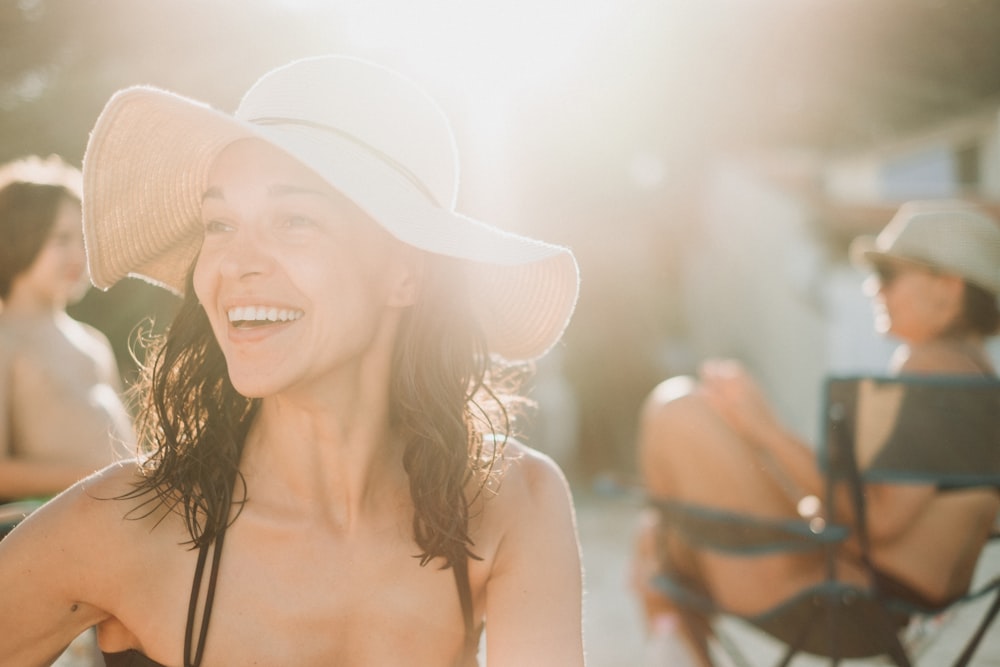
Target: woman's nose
column 246, row 255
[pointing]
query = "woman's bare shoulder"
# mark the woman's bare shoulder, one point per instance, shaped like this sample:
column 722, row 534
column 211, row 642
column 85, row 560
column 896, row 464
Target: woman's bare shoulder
column 527, row 487
column 529, row 472
column 113, row 481
column 101, row 507
column 89, row 552
column 944, row 357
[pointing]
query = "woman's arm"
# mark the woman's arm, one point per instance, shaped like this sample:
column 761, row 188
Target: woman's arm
column 891, row 508
column 103, row 354
column 51, row 569
column 42, row 608
column 733, row 394
column 534, row 593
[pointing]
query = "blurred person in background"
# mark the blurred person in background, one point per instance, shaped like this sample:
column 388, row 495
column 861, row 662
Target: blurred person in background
column 716, row 442
column 328, row 474
column 61, row 416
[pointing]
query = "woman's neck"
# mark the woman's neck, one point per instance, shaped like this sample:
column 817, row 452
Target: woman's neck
column 960, row 354
column 17, row 315
column 24, row 307
column 338, row 465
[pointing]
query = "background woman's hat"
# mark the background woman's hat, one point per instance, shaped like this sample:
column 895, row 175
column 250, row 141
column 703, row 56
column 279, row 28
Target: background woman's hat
column 951, row 235
column 369, row 132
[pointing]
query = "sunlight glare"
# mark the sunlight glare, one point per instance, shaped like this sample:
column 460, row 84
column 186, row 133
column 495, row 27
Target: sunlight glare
column 498, row 47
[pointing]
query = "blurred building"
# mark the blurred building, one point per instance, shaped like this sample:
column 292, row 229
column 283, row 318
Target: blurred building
column 770, row 282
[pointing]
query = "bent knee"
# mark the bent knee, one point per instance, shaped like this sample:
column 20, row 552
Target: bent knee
column 675, row 419
column 672, row 389
column 675, row 404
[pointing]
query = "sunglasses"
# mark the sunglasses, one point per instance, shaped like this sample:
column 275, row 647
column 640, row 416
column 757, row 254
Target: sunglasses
column 887, row 272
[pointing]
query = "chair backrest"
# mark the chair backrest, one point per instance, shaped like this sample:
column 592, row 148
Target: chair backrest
column 923, row 429
column 941, row 430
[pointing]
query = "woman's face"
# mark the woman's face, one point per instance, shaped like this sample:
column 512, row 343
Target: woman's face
column 299, row 285
column 912, row 302
column 59, row 273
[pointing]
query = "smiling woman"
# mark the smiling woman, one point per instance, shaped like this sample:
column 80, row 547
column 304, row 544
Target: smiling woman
column 293, row 245
column 328, row 402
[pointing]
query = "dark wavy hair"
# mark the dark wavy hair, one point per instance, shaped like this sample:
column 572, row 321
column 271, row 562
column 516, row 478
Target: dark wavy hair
column 450, row 401
column 31, row 192
column 980, row 311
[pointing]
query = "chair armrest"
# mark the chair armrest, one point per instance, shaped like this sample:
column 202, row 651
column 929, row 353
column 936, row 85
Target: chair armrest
column 736, row 533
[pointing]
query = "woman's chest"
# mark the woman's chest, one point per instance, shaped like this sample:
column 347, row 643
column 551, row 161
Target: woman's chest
column 286, row 598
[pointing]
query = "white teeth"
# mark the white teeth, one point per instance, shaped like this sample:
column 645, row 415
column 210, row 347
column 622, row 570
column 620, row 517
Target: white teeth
column 262, row 314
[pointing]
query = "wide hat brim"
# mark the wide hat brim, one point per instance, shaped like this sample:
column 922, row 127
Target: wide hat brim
column 944, row 235
column 145, row 173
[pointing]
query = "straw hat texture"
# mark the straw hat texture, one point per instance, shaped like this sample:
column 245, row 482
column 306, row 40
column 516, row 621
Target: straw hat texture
column 950, row 235
column 371, row 133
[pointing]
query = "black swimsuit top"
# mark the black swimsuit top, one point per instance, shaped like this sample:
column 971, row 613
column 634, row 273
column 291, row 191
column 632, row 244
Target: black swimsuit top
column 133, row 658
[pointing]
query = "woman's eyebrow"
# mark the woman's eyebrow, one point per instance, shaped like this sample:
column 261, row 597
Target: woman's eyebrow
column 282, row 190
column 274, row 191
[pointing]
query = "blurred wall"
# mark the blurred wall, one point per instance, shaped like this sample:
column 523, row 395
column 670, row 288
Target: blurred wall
column 766, row 282
column 753, row 288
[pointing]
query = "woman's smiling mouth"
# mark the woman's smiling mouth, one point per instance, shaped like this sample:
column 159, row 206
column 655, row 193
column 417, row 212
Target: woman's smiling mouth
column 254, row 316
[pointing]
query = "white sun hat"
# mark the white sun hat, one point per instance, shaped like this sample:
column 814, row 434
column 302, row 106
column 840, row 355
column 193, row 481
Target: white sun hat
column 371, row 133
column 953, row 236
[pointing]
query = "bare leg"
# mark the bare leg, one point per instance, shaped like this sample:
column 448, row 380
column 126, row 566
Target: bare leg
column 659, row 613
column 688, row 453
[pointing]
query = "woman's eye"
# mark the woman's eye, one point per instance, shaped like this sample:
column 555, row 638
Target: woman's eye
column 216, row 227
column 298, row 222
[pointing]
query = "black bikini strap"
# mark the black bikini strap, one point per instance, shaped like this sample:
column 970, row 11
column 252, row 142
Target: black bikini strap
column 209, row 599
column 461, row 569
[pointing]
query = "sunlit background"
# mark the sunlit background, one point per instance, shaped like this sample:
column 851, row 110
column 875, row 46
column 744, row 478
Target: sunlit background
column 707, row 160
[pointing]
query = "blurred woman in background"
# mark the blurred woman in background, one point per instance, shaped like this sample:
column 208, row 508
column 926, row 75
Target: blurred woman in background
column 61, row 417
column 717, row 443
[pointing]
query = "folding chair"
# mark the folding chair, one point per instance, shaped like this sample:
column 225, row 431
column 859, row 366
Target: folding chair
column 927, row 430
